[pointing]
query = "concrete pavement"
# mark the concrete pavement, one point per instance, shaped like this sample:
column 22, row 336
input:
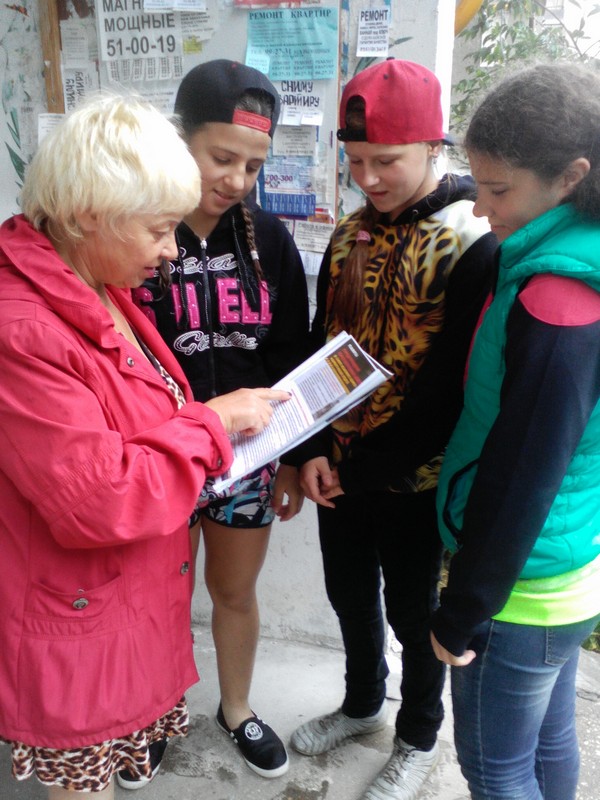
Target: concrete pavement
column 294, row 682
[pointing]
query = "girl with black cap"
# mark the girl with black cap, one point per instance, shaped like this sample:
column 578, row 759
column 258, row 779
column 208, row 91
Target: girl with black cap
column 406, row 274
column 235, row 314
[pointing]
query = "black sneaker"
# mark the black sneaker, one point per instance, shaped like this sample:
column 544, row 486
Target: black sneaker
column 261, row 748
column 127, row 780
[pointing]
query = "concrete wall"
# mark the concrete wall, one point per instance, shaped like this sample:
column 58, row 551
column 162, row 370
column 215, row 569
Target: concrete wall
column 23, row 96
column 292, row 597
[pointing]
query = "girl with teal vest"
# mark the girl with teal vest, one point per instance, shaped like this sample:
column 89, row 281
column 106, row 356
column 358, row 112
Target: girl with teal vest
column 519, row 490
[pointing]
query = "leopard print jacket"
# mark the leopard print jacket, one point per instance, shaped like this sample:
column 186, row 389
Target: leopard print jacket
column 404, row 310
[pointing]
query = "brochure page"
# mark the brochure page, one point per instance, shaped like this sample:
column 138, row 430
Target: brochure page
column 325, row 386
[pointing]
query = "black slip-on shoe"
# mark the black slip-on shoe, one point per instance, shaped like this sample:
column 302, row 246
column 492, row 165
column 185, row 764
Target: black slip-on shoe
column 261, row 748
column 127, row 780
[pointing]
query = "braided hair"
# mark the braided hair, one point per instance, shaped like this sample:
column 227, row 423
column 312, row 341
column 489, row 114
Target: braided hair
column 251, row 241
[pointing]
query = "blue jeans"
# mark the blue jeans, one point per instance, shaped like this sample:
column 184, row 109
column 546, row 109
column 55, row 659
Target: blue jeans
column 395, row 535
column 514, row 712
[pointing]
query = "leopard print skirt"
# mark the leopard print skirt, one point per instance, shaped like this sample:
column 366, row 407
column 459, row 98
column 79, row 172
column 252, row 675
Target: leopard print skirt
column 90, row 769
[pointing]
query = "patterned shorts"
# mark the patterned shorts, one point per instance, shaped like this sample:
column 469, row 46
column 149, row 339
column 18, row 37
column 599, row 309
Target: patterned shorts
column 90, row 768
column 245, row 504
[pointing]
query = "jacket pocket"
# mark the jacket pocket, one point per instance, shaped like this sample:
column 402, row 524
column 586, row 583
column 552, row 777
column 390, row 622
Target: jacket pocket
column 84, row 612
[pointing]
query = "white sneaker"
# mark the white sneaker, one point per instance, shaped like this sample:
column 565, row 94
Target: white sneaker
column 404, row 774
column 324, row 733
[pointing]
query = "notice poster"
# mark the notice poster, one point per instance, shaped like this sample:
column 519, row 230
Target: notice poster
column 302, row 102
column 373, row 32
column 126, row 31
column 294, row 43
column 78, row 84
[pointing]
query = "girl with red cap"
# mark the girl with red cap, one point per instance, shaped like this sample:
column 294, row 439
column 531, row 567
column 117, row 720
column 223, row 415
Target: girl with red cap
column 406, row 274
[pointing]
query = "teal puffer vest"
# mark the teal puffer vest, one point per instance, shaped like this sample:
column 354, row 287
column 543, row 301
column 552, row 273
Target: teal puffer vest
column 558, row 242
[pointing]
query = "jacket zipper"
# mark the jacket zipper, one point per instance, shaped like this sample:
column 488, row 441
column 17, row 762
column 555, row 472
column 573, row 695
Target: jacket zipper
column 209, row 319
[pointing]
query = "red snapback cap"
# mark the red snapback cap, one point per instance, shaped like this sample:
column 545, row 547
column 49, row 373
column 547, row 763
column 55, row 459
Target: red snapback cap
column 402, row 105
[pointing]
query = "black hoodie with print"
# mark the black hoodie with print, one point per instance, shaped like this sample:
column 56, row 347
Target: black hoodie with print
column 236, row 335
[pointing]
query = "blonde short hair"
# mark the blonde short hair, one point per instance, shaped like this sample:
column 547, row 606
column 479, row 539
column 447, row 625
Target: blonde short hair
column 114, row 157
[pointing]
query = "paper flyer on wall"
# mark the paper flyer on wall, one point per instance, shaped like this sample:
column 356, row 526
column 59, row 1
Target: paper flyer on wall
column 324, row 387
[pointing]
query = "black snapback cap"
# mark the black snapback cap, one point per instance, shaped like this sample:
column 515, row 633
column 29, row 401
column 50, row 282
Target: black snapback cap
column 210, row 92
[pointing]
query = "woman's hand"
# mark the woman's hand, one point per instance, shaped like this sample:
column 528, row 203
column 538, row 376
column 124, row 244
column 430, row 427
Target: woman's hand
column 448, row 658
column 246, row 411
column 319, row 482
column 287, row 482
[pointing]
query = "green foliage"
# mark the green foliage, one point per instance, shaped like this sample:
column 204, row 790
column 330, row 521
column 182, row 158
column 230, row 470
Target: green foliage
column 513, row 33
column 593, row 641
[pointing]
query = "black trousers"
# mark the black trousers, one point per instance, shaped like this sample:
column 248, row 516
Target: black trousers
column 394, row 535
